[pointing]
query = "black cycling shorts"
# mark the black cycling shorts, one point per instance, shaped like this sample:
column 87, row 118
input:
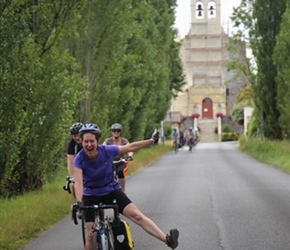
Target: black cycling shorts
column 118, row 195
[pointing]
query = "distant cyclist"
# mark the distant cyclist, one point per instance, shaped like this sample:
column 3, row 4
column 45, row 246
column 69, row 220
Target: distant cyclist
column 190, row 137
column 121, row 167
column 175, row 136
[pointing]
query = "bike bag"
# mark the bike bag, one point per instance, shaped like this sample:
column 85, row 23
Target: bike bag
column 122, row 235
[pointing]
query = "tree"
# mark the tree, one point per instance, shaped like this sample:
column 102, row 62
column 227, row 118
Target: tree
column 282, row 62
column 262, row 20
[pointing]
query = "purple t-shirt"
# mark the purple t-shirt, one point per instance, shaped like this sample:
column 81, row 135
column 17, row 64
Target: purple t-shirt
column 98, row 175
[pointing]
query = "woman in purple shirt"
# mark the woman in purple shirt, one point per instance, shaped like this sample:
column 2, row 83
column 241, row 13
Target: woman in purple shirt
column 95, row 182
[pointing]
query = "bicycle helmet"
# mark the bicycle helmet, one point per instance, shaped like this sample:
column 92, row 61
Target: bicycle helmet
column 116, row 126
column 91, row 127
column 75, row 128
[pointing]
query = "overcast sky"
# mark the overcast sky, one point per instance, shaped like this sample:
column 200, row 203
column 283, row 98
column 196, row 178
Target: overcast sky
column 183, row 15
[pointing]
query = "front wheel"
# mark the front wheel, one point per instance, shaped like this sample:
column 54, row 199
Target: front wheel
column 110, row 238
column 97, row 241
column 103, row 241
column 84, row 229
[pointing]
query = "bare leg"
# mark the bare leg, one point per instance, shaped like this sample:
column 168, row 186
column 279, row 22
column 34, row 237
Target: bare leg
column 134, row 214
column 89, row 236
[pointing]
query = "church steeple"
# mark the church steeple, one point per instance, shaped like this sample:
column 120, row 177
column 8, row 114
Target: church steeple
column 204, row 10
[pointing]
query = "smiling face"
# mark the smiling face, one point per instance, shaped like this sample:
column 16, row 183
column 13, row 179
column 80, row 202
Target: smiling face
column 77, row 139
column 90, row 144
column 116, row 133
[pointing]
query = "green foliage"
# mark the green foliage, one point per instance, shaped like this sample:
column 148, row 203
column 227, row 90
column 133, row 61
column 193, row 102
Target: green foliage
column 230, row 136
column 89, row 61
column 167, row 130
column 282, row 61
column 246, row 96
column 226, row 128
column 238, row 113
column 39, row 87
column 262, row 30
column 253, row 128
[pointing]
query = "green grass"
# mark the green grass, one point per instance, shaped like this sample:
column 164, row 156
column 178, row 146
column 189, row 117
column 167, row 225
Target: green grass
column 274, row 153
column 23, row 218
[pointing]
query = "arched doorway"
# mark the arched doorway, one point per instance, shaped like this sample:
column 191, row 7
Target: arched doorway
column 207, row 112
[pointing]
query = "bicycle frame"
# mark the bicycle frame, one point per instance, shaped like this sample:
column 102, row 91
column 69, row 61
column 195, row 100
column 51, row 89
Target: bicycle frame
column 175, row 145
column 102, row 230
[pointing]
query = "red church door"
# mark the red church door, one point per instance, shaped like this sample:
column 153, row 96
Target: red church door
column 207, row 112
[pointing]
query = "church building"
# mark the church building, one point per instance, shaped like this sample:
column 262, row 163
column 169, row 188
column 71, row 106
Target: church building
column 209, row 88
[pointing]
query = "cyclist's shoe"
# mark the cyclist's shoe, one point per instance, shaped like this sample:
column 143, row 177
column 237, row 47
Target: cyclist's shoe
column 172, row 238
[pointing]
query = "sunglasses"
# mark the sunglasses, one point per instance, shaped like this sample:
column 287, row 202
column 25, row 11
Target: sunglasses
column 116, row 130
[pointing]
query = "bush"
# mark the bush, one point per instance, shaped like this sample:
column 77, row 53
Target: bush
column 231, row 136
column 226, row 128
column 238, row 113
column 167, row 130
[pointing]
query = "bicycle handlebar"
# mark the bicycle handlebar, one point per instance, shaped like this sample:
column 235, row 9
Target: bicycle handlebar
column 76, row 206
column 129, row 158
column 69, row 180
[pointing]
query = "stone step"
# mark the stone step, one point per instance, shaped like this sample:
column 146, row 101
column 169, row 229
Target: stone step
column 207, row 133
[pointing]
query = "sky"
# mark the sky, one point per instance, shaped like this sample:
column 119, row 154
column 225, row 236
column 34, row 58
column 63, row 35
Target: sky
column 183, row 18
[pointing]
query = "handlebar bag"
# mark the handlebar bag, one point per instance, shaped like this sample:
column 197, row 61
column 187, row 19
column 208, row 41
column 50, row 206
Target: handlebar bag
column 122, row 235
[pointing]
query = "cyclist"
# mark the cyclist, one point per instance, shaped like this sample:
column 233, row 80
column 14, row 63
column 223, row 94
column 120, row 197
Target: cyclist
column 190, row 137
column 74, row 146
column 175, row 138
column 95, row 182
column 121, row 167
column 181, row 138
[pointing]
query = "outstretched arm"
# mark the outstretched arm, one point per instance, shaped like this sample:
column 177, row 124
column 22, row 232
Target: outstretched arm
column 134, row 146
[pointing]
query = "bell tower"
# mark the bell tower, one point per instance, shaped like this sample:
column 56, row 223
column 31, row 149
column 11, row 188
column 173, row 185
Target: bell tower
column 206, row 12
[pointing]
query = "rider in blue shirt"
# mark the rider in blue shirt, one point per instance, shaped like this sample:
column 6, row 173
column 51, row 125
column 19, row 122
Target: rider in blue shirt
column 95, row 182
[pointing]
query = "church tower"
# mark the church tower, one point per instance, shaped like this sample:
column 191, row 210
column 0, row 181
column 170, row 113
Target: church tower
column 204, row 56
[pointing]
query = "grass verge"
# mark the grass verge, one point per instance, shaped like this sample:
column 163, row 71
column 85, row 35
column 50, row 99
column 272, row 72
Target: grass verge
column 24, row 217
column 274, row 153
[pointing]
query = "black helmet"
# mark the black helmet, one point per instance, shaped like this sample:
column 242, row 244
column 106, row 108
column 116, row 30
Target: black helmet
column 91, row 127
column 75, row 128
column 116, row 126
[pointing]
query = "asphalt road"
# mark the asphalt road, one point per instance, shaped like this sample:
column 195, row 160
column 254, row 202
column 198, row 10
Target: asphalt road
column 218, row 198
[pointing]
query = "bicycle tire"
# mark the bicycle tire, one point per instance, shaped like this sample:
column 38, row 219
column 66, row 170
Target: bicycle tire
column 84, row 232
column 96, row 241
column 110, row 238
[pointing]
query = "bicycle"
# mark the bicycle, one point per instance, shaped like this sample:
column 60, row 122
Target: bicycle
column 175, row 146
column 103, row 238
column 120, row 167
column 191, row 144
column 117, row 163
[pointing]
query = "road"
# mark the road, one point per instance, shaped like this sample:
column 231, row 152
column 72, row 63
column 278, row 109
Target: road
column 218, row 198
